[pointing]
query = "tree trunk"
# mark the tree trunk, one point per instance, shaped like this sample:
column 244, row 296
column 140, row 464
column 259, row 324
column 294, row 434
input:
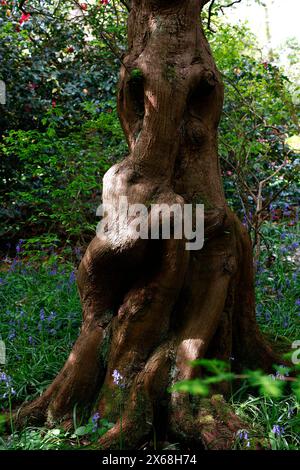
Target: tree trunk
column 150, row 306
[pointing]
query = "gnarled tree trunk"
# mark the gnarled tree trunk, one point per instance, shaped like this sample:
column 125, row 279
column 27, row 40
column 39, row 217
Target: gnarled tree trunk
column 150, row 306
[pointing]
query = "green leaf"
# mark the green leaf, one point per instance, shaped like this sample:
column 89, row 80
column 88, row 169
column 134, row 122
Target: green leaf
column 267, row 385
column 194, row 387
column 212, row 365
column 82, row 431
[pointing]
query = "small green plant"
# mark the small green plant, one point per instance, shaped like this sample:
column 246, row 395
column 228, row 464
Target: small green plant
column 94, row 429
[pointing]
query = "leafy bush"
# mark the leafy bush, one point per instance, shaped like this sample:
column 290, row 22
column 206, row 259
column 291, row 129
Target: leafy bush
column 54, row 184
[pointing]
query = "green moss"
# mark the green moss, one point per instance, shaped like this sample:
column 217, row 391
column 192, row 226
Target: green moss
column 136, row 74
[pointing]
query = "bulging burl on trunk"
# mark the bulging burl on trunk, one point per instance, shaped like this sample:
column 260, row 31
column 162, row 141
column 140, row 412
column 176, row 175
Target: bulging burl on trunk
column 151, row 306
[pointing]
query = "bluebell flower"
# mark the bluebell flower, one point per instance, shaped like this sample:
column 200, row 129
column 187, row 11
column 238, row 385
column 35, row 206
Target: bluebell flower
column 243, row 435
column 278, row 430
column 42, row 314
column 95, row 419
column 118, row 378
column 72, row 278
column 267, row 316
column 77, row 252
column 259, row 309
column 7, row 383
column 13, row 265
column 12, row 335
column 286, row 322
column 51, row 316
column 19, row 246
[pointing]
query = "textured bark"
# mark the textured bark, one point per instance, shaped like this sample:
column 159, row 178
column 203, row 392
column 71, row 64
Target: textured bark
column 151, row 306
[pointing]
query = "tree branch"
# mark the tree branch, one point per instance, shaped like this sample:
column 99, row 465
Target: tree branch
column 126, row 3
column 210, row 15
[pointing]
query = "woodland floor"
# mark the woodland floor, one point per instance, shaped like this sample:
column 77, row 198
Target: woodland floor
column 40, row 317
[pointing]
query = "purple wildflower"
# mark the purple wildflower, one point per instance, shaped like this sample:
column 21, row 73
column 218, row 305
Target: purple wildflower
column 72, row 278
column 7, row 383
column 42, row 314
column 12, row 335
column 77, row 251
column 53, row 271
column 19, row 246
column 286, row 322
column 95, row 419
column 118, row 378
column 267, row 316
column 51, row 316
column 259, row 309
column 13, row 265
column 243, row 435
column 278, row 430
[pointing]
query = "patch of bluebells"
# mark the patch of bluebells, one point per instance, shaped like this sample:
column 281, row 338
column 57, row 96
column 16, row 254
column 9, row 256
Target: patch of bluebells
column 6, row 384
column 72, row 277
column 244, row 436
column 45, row 321
column 278, row 430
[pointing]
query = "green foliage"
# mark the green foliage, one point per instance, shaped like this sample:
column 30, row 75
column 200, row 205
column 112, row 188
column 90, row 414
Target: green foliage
column 40, row 317
column 55, row 181
column 272, row 424
column 94, row 432
column 49, row 60
column 258, row 118
column 266, row 385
